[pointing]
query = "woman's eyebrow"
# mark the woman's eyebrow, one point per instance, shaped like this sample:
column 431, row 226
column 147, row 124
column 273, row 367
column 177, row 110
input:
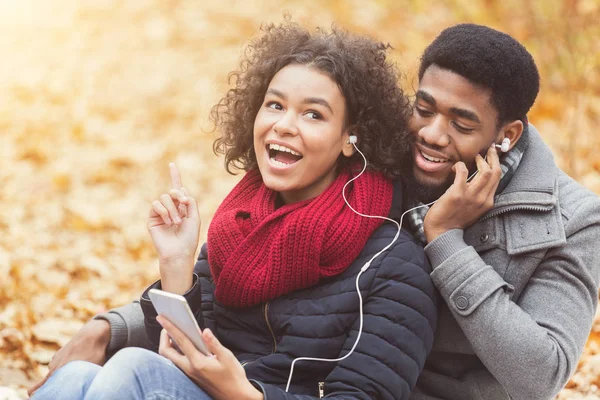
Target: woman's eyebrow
column 276, row 93
column 318, row 100
column 308, row 100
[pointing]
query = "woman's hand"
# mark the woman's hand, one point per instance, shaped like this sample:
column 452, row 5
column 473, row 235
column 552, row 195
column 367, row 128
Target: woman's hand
column 174, row 225
column 220, row 375
column 464, row 202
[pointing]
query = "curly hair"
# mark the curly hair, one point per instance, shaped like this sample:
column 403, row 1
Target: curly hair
column 377, row 111
column 491, row 59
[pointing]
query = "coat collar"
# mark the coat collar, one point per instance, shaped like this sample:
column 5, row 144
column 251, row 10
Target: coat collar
column 533, row 185
column 533, row 219
column 536, row 175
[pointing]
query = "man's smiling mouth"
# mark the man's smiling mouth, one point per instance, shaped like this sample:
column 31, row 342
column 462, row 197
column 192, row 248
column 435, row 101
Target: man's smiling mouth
column 430, row 161
column 433, row 159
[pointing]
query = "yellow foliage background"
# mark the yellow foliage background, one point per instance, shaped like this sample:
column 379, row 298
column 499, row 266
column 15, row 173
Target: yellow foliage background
column 96, row 97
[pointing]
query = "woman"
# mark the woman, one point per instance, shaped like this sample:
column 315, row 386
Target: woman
column 277, row 278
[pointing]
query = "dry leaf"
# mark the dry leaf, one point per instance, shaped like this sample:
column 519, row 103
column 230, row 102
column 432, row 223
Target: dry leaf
column 7, row 393
column 54, row 330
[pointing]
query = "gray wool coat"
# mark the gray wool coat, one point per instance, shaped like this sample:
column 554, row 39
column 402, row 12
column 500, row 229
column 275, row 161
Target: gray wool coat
column 520, row 289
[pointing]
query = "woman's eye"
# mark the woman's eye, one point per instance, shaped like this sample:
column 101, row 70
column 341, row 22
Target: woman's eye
column 423, row 113
column 313, row 115
column 274, row 105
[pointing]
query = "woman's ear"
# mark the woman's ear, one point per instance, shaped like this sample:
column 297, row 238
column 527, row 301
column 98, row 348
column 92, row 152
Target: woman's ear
column 348, row 147
column 513, row 131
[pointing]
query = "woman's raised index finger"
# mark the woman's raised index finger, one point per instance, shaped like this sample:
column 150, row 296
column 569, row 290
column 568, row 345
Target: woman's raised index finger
column 175, row 177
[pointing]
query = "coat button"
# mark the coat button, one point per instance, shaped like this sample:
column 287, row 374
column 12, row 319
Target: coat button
column 461, row 302
column 484, row 237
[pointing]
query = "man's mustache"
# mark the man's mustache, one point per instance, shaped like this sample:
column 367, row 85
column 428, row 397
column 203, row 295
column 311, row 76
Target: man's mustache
column 430, row 146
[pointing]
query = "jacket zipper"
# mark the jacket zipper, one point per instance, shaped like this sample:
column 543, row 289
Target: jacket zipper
column 321, row 389
column 265, row 315
column 266, row 308
column 515, row 208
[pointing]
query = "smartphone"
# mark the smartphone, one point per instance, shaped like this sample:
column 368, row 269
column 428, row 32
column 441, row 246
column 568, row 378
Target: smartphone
column 177, row 310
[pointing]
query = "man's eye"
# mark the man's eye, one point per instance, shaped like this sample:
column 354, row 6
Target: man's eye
column 274, row 105
column 313, row 115
column 461, row 128
column 423, row 113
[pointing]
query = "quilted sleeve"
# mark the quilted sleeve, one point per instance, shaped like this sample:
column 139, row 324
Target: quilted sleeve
column 199, row 297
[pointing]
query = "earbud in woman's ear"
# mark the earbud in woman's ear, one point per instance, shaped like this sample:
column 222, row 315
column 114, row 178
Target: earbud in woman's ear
column 504, row 146
column 352, row 139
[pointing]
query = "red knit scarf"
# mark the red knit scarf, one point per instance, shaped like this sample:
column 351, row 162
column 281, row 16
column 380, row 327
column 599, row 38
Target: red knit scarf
column 258, row 252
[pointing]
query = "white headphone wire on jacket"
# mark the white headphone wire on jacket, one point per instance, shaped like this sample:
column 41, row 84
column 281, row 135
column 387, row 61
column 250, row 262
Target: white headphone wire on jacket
column 352, row 140
column 364, row 267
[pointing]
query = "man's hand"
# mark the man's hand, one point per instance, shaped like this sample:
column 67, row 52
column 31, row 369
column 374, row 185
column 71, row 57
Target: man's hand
column 174, row 225
column 220, row 375
column 464, row 202
column 89, row 344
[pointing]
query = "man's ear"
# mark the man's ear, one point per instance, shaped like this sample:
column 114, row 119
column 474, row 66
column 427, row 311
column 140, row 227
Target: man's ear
column 512, row 130
column 347, row 149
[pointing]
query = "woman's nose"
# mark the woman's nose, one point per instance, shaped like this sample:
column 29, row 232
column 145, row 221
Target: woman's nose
column 287, row 124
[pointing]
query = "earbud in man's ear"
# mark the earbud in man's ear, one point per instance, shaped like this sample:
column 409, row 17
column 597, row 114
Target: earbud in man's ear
column 352, row 139
column 504, row 146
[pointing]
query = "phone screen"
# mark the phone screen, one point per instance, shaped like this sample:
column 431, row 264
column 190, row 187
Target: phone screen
column 176, row 309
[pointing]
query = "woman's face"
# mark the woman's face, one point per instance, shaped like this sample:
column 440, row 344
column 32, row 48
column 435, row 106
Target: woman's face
column 299, row 133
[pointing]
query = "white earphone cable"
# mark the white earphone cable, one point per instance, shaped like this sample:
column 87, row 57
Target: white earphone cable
column 363, row 269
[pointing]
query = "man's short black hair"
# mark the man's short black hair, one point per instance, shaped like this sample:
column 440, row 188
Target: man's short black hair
column 491, row 59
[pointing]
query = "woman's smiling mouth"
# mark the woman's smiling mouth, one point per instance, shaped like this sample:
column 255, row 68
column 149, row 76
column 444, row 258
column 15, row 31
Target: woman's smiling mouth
column 281, row 155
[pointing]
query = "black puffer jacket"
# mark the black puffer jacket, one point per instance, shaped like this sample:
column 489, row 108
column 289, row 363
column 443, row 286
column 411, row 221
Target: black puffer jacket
column 400, row 311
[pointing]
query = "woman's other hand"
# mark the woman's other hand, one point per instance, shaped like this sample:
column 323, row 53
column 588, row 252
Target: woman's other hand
column 220, row 375
column 174, row 225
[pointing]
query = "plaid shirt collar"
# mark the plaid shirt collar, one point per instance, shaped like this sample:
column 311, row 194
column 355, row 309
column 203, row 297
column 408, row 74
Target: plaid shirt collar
column 508, row 164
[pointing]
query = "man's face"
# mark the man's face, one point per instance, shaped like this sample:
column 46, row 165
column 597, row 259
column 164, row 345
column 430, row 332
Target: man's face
column 453, row 121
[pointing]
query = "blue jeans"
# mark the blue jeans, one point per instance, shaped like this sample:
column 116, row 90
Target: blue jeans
column 132, row 373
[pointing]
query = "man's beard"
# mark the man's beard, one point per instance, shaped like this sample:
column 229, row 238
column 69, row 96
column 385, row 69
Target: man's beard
column 426, row 192
column 423, row 191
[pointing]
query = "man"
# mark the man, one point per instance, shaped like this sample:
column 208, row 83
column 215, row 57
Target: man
column 513, row 249
column 519, row 280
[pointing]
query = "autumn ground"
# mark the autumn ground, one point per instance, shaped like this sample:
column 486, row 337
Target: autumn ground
column 96, row 97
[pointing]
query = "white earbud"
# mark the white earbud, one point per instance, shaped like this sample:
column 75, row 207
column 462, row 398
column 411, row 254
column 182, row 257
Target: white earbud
column 505, row 145
column 352, row 139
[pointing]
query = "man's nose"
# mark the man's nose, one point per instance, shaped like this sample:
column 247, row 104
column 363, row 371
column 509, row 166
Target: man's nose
column 435, row 132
